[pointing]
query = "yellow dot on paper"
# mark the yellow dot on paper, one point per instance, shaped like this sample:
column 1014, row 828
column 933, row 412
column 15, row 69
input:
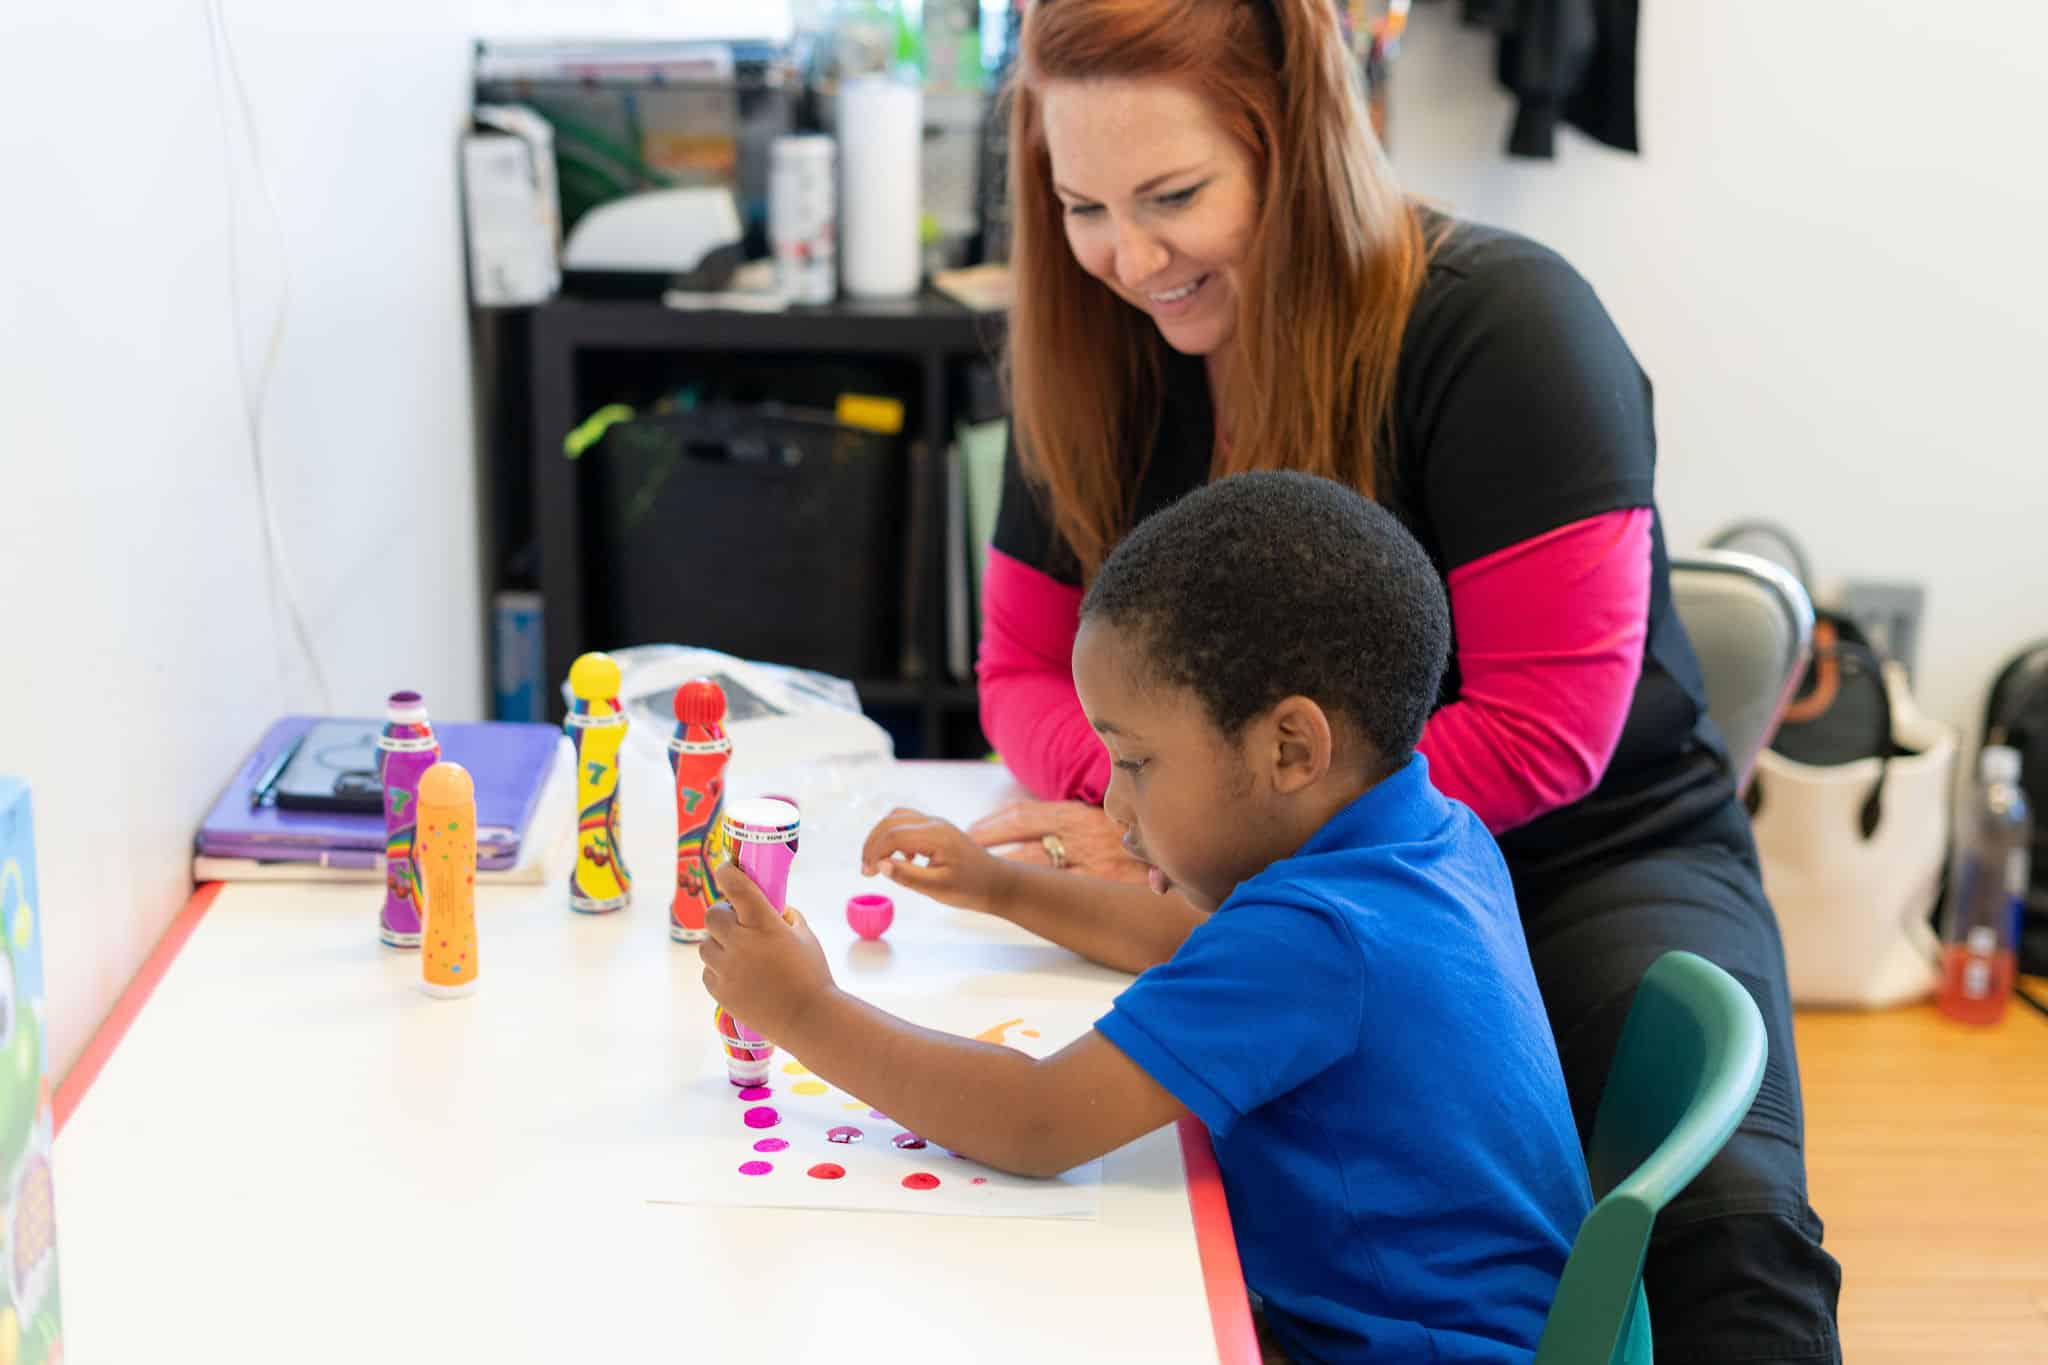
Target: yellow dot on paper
column 24, row 926
column 855, row 1105
column 795, row 1069
column 809, row 1087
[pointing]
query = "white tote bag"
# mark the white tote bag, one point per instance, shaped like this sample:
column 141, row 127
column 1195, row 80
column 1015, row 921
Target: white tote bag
column 1854, row 910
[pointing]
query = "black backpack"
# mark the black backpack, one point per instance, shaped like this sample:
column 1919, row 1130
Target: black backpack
column 2017, row 715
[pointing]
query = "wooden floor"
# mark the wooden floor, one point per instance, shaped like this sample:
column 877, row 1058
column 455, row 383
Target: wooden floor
column 1927, row 1154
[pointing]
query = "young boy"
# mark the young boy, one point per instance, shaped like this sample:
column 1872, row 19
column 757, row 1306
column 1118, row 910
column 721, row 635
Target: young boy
column 1348, row 1006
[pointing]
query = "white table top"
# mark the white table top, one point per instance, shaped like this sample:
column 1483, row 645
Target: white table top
column 294, row 1155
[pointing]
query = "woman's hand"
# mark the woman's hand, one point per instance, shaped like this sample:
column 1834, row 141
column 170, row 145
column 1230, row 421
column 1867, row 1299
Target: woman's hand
column 1089, row 842
column 955, row 871
column 764, row 967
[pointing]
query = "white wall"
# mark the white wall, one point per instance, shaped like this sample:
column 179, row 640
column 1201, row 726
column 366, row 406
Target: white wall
column 1831, row 261
column 139, row 655
column 667, row 19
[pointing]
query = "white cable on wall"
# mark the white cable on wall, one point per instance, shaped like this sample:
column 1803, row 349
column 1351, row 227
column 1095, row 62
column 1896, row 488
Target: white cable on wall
column 255, row 394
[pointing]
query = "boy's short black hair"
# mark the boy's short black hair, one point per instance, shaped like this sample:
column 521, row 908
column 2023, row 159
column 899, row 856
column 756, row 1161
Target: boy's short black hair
column 1269, row 585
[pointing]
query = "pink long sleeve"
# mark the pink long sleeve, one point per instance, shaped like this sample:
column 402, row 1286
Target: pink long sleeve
column 1550, row 638
column 1028, row 707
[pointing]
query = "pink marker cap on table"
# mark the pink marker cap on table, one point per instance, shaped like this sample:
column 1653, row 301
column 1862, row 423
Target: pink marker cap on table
column 870, row 915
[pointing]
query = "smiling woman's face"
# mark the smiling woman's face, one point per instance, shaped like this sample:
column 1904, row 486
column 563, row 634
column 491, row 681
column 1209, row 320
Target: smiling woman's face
column 1159, row 199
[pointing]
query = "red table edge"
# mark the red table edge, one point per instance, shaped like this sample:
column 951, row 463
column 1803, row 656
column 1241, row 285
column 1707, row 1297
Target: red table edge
column 1230, row 1314
column 114, row 1027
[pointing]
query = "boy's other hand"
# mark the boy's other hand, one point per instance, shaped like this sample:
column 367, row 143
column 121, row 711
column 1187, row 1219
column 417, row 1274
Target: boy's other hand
column 764, row 968
column 1091, row 842
column 955, row 871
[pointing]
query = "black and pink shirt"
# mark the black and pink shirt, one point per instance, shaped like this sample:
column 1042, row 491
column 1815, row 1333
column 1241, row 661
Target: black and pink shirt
column 1573, row 717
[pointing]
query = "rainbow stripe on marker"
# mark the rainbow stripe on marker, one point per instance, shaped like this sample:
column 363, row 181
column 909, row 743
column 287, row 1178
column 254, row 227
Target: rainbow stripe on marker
column 747, row 1053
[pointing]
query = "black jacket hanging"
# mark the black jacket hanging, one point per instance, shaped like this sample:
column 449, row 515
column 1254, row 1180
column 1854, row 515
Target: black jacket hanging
column 1573, row 60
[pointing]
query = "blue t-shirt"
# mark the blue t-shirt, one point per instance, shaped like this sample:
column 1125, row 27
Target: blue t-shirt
column 1360, row 1029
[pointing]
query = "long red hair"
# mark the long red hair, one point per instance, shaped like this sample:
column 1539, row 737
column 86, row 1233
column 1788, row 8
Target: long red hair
column 1333, row 265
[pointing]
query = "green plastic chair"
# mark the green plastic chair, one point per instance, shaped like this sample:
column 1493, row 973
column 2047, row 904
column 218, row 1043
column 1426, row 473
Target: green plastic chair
column 1688, row 1066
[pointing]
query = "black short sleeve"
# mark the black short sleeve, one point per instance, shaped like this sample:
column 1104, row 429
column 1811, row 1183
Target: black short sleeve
column 1024, row 529
column 1519, row 407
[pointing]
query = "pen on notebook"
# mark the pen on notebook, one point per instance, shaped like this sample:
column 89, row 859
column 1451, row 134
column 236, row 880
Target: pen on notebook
column 260, row 793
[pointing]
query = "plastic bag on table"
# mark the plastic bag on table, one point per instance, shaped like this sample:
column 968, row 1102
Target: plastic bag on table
column 795, row 733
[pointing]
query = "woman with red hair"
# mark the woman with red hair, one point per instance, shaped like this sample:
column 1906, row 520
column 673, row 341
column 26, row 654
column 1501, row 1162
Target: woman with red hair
column 1215, row 272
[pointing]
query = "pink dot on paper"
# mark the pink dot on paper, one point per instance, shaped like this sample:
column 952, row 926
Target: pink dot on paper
column 756, row 1167
column 843, row 1134
column 981, row 1180
column 756, row 1092
column 763, row 1116
column 909, row 1142
column 770, row 1145
column 920, row 1180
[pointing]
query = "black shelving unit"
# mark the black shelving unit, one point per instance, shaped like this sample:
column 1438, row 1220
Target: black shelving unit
column 547, row 353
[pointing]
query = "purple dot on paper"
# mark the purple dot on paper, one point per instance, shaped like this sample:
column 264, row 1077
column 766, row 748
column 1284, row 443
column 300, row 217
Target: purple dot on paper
column 756, row 1092
column 878, row 1114
column 770, row 1145
column 763, row 1116
column 756, row 1167
column 909, row 1142
column 845, row 1133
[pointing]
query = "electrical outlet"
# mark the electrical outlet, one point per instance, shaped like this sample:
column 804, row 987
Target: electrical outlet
column 1889, row 613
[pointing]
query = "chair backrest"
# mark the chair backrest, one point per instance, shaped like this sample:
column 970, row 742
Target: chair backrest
column 1751, row 624
column 1686, row 1070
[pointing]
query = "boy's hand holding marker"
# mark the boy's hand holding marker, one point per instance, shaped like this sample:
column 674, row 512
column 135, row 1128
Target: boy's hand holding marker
column 765, row 967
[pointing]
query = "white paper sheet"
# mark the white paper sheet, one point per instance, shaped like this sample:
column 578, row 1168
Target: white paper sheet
column 719, row 1159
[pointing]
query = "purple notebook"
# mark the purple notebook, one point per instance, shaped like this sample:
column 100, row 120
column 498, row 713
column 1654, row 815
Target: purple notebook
column 509, row 763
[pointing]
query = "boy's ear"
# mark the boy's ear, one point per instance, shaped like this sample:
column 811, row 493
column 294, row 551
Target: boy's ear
column 1302, row 743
